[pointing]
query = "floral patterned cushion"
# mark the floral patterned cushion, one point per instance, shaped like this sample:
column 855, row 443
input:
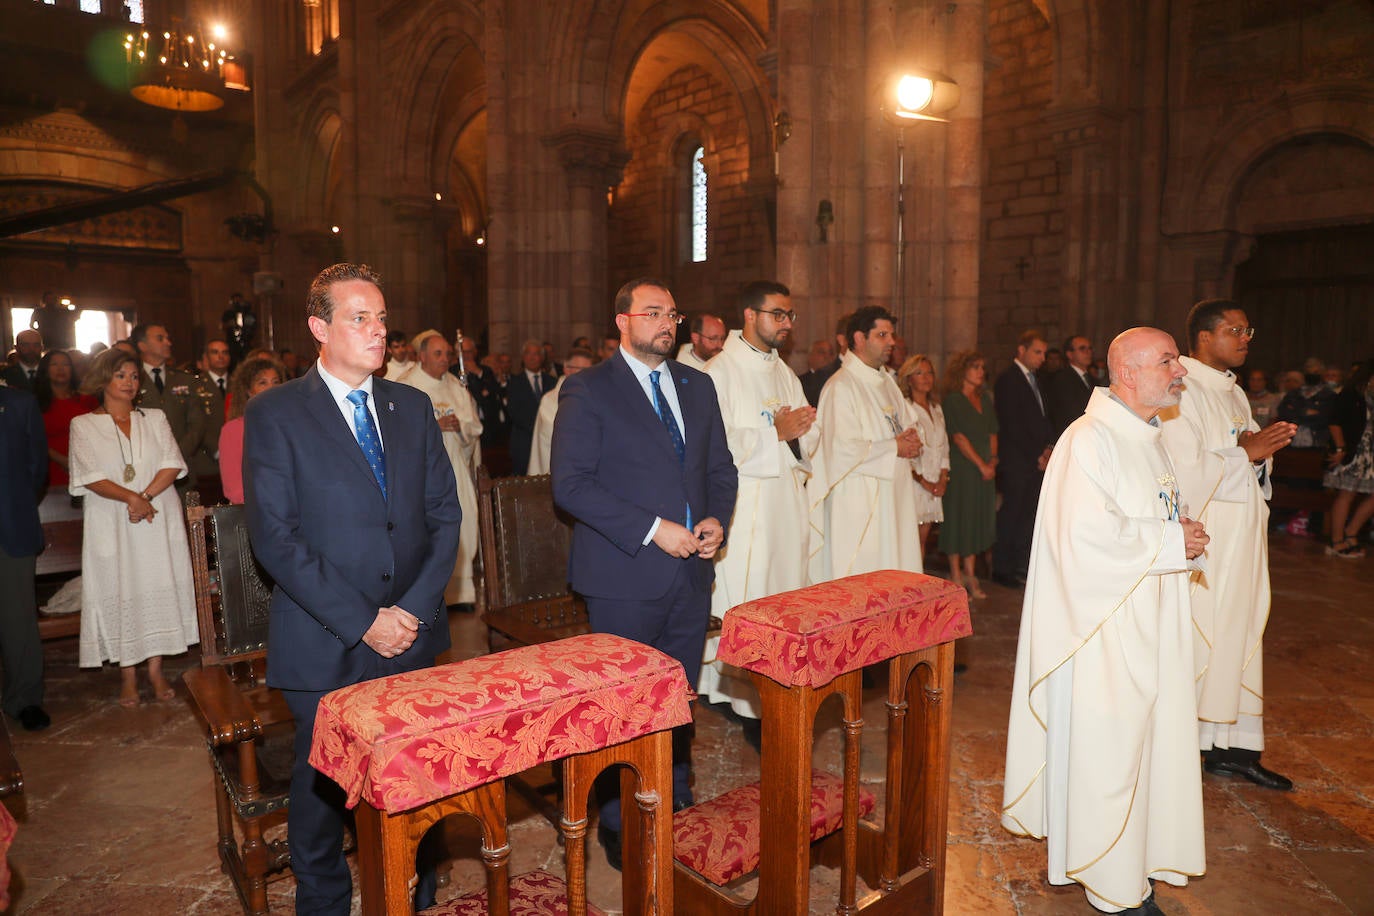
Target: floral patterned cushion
column 719, row 839
column 811, row 636
column 535, row 893
column 403, row 741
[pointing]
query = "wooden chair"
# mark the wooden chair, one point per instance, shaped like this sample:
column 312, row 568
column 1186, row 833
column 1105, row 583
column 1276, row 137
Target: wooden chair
column 525, row 544
column 248, row 729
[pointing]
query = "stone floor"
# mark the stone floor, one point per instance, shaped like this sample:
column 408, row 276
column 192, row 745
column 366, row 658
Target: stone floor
column 117, row 814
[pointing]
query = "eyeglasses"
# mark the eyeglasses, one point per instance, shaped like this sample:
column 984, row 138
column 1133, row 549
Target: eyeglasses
column 1247, row 333
column 670, row 317
column 779, row 314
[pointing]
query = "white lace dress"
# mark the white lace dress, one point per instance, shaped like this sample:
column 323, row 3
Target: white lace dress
column 138, row 598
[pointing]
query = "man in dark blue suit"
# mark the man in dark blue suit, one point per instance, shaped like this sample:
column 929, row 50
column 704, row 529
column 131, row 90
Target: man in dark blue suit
column 523, row 394
column 23, row 470
column 641, row 464
column 353, row 512
column 1024, row 438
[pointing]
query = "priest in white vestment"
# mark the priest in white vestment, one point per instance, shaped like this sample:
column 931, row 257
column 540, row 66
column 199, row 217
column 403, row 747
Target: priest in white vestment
column 1102, row 741
column 1223, row 461
column 863, row 489
column 708, row 336
column 400, row 355
column 456, row 412
column 772, row 435
column 542, row 446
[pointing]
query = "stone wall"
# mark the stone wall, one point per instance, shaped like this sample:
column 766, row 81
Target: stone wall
column 650, row 218
column 1023, row 215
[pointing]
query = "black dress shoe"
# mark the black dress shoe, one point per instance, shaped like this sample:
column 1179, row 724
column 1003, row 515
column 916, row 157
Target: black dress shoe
column 33, row 718
column 1252, row 771
column 610, row 841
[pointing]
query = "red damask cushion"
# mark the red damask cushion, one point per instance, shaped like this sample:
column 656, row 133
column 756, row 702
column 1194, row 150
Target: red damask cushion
column 811, row 636
column 403, row 741
column 535, row 893
column 719, row 839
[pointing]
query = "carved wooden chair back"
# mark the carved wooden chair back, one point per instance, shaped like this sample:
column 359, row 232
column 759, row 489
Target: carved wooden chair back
column 248, row 728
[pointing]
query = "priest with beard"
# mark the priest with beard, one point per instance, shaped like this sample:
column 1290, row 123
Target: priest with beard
column 772, row 434
column 1102, row 740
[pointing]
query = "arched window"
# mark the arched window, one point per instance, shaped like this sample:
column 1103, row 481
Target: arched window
column 698, row 198
column 321, row 23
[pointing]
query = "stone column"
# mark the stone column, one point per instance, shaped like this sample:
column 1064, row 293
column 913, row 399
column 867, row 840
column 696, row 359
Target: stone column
column 593, row 160
column 956, row 327
column 416, row 258
column 1086, row 138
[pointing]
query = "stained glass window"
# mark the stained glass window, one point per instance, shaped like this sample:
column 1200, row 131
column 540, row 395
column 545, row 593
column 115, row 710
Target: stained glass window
column 698, row 206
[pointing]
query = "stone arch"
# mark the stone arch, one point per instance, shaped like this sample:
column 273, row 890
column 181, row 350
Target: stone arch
column 459, row 163
column 1209, row 195
column 718, row 36
column 319, row 144
column 450, row 49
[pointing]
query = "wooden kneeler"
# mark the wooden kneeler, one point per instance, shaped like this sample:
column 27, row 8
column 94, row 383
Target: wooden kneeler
column 414, row 748
column 803, row 647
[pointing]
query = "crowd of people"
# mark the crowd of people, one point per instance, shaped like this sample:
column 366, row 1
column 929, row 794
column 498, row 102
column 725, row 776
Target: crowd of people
column 700, row 471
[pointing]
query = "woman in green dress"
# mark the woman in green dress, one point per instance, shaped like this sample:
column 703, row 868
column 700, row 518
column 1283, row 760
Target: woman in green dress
column 970, row 525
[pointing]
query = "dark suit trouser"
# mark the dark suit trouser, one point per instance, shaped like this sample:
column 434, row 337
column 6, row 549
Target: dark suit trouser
column 20, row 648
column 675, row 624
column 315, row 823
column 1016, row 523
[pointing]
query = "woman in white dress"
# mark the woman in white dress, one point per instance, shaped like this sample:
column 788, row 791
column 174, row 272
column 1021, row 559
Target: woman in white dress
column 916, row 378
column 138, row 600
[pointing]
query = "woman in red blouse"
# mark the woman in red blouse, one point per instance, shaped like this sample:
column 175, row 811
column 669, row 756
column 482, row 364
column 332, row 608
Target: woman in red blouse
column 58, row 398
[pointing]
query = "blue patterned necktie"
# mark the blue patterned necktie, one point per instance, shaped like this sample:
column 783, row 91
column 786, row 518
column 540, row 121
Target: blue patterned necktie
column 368, row 440
column 665, row 413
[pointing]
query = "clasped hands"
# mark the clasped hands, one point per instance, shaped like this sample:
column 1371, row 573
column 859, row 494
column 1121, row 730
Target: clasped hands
column 1260, row 445
column 909, row 443
column 676, row 541
column 793, row 422
column 1195, row 538
column 140, row 509
column 393, row 632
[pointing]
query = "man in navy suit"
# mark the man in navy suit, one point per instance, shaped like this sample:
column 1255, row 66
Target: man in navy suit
column 24, row 470
column 641, row 464
column 353, row 512
column 523, row 393
column 1024, row 437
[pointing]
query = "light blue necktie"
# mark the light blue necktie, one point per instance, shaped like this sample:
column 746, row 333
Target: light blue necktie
column 665, row 413
column 368, row 440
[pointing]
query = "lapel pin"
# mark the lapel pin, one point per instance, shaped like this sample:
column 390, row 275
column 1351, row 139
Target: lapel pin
column 391, row 405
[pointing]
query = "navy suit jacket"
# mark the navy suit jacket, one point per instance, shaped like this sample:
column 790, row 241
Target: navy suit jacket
column 23, row 470
column 614, row 471
column 1066, row 396
column 1023, row 430
column 336, row 548
column 522, row 407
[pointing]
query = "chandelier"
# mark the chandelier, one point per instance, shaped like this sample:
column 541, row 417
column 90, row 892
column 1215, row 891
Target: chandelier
column 181, row 71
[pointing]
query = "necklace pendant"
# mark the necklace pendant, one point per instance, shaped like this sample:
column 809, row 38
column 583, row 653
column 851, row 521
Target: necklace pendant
column 128, row 473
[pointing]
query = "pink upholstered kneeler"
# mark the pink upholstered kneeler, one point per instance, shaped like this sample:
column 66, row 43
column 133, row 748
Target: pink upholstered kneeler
column 412, row 748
